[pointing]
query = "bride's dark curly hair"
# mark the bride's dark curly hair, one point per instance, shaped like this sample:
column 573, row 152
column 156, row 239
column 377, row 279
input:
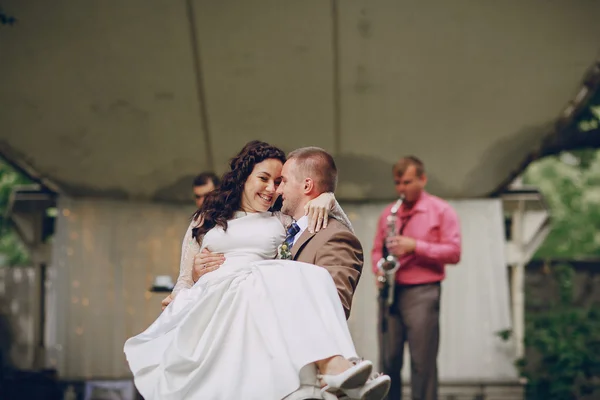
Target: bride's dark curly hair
column 220, row 204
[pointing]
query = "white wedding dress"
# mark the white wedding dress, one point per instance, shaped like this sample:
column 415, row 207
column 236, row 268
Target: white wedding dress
column 244, row 331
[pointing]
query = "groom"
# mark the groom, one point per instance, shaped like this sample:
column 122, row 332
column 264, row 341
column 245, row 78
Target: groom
column 307, row 173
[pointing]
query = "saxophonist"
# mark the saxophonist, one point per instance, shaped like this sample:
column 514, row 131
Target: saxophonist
column 420, row 232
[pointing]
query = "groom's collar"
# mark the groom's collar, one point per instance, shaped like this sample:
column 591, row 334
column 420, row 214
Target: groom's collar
column 302, row 224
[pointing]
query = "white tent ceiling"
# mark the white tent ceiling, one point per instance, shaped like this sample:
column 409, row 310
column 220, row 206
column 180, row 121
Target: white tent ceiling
column 131, row 99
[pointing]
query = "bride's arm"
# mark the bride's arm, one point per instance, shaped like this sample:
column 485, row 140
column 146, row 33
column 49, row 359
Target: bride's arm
column 189, row 248
column 317, row 217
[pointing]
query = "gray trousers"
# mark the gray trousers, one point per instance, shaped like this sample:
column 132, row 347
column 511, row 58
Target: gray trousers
column 414, row 317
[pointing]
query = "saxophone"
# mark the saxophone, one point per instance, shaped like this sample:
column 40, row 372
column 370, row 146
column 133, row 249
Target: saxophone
column 389, row 263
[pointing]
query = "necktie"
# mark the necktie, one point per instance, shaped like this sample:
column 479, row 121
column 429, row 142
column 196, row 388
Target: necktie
column 291, row 233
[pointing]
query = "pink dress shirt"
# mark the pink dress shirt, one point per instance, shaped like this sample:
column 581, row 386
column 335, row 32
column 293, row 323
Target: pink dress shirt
column 434, row 225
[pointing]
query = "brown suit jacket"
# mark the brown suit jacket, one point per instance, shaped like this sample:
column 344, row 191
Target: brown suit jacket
column 336, row 249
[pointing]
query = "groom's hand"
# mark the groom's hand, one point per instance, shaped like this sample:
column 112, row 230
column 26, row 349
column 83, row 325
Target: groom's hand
column 205, row 262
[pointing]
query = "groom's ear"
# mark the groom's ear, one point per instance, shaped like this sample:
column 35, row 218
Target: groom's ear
column 309, row 185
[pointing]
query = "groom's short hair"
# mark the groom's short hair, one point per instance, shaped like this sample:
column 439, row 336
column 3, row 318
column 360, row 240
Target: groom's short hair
column 316, row 163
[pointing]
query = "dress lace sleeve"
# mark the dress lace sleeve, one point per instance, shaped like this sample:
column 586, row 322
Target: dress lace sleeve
column 189, row 248
column 285, row 220
column 338, row 213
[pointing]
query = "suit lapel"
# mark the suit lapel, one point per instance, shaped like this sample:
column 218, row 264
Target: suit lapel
column 304, row 237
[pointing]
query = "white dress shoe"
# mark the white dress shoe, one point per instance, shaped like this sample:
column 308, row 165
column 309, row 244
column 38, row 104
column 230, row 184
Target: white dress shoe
column 353, row 377
column 375, row 389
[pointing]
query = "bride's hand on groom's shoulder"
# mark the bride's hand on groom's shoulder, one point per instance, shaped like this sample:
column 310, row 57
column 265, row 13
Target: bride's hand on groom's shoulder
column 205, row 262
column 317, row 211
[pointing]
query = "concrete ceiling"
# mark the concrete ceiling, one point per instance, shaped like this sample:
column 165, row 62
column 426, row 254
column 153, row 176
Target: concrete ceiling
column 131, row 99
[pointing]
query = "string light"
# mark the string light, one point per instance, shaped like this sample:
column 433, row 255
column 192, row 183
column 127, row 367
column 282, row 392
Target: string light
column 83, row 242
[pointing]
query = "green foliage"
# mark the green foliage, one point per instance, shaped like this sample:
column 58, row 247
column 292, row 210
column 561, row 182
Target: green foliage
column 589, row 119
column 570, row 183
column 563, row 340
column 12, row 251
column 563, row 343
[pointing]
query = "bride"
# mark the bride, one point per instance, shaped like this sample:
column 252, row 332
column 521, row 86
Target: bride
column 246, row 330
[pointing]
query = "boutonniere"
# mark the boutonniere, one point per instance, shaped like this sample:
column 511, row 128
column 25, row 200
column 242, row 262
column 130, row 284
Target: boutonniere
column 285, row 252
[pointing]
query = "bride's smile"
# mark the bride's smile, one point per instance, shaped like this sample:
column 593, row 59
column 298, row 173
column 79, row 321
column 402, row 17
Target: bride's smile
column 266, row 198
